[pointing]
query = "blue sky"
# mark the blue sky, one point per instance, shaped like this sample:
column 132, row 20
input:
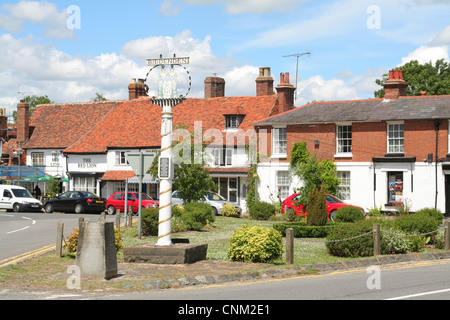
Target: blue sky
column 105, row 44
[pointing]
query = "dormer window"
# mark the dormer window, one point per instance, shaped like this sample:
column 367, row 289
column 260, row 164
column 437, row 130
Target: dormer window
column 233, row 121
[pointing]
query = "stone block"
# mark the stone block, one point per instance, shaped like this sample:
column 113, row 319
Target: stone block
column 179, row 253
column 96, row 249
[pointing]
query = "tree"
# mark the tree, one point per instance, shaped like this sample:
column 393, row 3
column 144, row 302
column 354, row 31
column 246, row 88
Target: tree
column 33, row 101
column 434, row 79
column 98, row 97
column 191, row 179
column 314, row 173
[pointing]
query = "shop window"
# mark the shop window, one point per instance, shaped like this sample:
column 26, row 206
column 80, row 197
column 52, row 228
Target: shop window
column 395, row 187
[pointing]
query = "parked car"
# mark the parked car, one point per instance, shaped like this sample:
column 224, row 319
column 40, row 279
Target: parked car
column 117, row 201
column 333, row 204
column 215, row 200
column 75, row 201
column 18, row 199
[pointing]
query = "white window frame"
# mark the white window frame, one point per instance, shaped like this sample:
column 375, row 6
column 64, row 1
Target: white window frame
column 279, row 147
column 120, row 159
column 344, row 191
column 283, row 184
column 340, row 139
column 38, row 158
column 223, row 157
column 401, row 139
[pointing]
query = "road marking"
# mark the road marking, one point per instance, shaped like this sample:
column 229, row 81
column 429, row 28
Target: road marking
column 18, row 230
column 419, row 294
column 13, row 260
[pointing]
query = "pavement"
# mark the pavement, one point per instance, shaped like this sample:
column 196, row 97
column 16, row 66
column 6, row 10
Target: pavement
column 209, row 272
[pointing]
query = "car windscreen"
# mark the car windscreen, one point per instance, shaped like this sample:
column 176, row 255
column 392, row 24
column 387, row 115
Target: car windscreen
column 215, row 196
column 21, row 193
column 332, row 199
column 144, row 196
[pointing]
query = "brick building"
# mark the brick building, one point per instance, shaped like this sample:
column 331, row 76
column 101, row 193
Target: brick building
column 86, row 142
column 394, row 149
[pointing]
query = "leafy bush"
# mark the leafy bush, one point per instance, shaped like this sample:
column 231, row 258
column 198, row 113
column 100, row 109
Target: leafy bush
column 397, row 242
column 435, row 213
column 348, row 214
column 229, row 210
column 317, row 214
column 352, row 247
column 262, row 210
column 197, row 215
column 255, row 244
column 416, row 224
column 150, row 221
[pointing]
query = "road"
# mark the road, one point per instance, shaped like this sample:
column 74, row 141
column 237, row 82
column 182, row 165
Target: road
column 32, row 232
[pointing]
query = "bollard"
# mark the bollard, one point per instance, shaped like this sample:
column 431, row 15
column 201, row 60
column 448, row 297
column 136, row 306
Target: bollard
column 59, row 238
column 289, row 246
column 376, row 240
column 118, row 221
column 447, row 234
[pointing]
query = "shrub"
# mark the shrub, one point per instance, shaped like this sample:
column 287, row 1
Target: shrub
column 435, row 213
column 348, row 214
column 150, row 221
column 317, row 214
column 197, row 215
column 229, row 210
column 262, row 210
column 397, row 242
column 362, row 246
column 72, row 241
column 255, row 244
column 416, row 224
column 301, row 230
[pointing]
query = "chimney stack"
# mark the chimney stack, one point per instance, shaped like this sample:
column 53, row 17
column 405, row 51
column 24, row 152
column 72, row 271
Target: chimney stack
column 23, row 121
column 214, row 87
column 264, row 83
column 395, row 86
column 285, row 92
column 137, row 89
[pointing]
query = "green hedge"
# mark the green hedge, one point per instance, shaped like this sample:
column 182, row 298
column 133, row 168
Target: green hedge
column 302, row 230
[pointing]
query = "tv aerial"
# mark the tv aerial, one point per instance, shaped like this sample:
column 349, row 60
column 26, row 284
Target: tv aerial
column 298, row 55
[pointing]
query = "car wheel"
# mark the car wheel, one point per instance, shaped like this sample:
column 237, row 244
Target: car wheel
column 111, row 210
column 332, row 215
column 215, row 212
column 16, row 207
column 48, row 208
column 78, row 208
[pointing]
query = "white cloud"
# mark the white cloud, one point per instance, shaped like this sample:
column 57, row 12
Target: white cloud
column 39, row 13
column 443, row 38
column 425, row 54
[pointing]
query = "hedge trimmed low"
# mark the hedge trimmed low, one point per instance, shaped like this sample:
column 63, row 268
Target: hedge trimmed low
column 302, row 230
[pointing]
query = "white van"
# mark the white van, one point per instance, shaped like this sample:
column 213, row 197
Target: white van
column 18, row 199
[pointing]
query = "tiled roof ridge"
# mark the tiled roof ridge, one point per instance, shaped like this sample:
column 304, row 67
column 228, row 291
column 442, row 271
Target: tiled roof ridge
column 116, row 103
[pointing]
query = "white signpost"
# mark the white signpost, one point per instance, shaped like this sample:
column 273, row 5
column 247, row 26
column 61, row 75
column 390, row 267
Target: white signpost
column 167, row 98
column 140, row 162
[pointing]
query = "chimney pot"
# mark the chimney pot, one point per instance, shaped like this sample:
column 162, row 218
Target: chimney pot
column 264, row 83
column 395, row 86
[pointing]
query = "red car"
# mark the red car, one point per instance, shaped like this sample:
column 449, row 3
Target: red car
column 333, row 204
column 117, row 201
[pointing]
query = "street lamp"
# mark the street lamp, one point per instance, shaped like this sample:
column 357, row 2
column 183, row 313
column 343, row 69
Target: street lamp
column 167, row 98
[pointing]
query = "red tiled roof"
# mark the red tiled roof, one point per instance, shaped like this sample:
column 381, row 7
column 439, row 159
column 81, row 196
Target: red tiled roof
column 96, row 127
column 117, row 175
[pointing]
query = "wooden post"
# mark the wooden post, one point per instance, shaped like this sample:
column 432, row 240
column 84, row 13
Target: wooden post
column 59, row 238
column 118, row 220
column 447, row 234
column 376, row 240
column 289, row 246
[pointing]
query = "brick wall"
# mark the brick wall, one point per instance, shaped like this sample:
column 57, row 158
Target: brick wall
column 368, row 140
